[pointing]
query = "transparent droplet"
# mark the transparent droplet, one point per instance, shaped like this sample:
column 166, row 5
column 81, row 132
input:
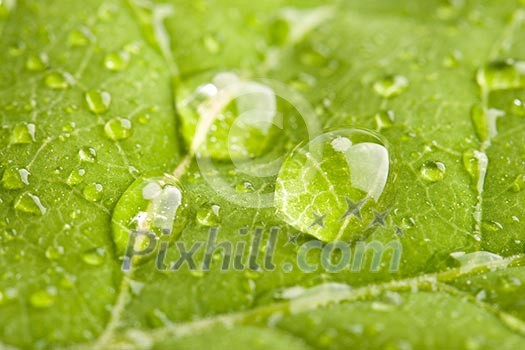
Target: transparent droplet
column 518, row 107
column 149, row 205
column 94, row 257
column 502, row 74
column 118, row 129
column 23, row 133
column 391, row 86
column 87, row 154
column 116, row 61
column 244, row 187
column 432, row 171
column 209, row 215
column 79, row 37
column 518, row 184
column 37, row 63
column 491, row 226
column 14, row 178
column 484, row 121
column 56, row 81
column 475, row 162
column 76, row 177
column 98, row 102
column 384, row 119
column 54, row 252
column 334, row 186
column 470, row 261
column 29, row 203
column 235, row 117
column 93, row 192
column 43, row 298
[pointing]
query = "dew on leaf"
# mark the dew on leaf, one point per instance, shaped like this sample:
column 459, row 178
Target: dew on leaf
column 56, row 81
column 29, row 203
column 331, row 187
column 23, row 133
column 470, row 261
column 14, row 178
column 391, row 86
column 244, row 187
column 94, row 257
column 149, row 205
column 79, row 37
column 17, row 49
column 43, row 298
column 54, row 252
column 384, row 119
column 116, row 61
column 118, row 129
column 518, row 184
column 98, row 102
column 76, row 177
column 432, row 171
column 501, row 74
column 92, row 192
column 209, row 215
column 238, row 115
column 87, row 154
column 484, row 121
column 491, row 225
column 518, row 107
column 37, row 63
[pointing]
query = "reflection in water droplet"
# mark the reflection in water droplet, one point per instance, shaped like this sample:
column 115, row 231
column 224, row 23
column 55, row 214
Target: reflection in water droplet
column 14, row 178
column 93, row 192
column 98, row 102
column 29, row 203
column 391, row 86
column 484, row 121
column 208, row 215
column 94, row 257
column 79, row 37
column 116, row 61
column 118, row 129
column 23, row 133
column 76, row 177
column 43, row 298
column 148, row 205
column 432, row 171
column 37, row 63
column 332, row 187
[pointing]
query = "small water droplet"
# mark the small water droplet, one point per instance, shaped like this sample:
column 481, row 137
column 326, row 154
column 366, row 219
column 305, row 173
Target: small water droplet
column 519, row 183
column 14, row 178
column 29, row 203
column 502, row 74
column 384, row 119
column 332, row 187
column 391, row 86
column 432, row 171
column 87, row 154
column 93, row 192
column 98, row 102
column 244, row 187
column 23, row 133
column 118, row 129
column 37, row 63
column 518, row 107
column 491, row 226
column 148, row 205
column 57, row 81
column 94, row 257
column 79, row 37
column 475, row 162
column 209, row 215
column 76, row 177
column 484, row 121
column 43, row 298
column 54, row 252
column 116, row 61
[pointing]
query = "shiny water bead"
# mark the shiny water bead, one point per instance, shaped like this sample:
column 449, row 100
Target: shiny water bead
column 432, row 171
column 118, row 129
column 97, row 101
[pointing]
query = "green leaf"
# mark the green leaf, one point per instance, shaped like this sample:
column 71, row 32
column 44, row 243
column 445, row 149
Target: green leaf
column 92, row 104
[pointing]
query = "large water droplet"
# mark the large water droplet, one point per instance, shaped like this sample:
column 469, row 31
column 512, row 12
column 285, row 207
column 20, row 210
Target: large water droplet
column 503, row 74
column 14, row 178
column 333, row 186
column 98, row 102
column 391, row 86
column 432, row 171
column 76, row 177
column 94, row 257
column 148, row 205
column 29, row 203
column 116, row 61
column 93, row 192
column 43, row 298
column 23, row 133
column 118, row 129
column 208, row 215
column 87, row 154
column 238, row 116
